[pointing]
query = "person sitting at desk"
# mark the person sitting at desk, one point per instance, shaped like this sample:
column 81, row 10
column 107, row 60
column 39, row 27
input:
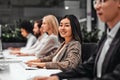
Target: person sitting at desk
column 26, row 31
column 48, row 41
column 104, row 64
column 68, row 55
column 38, row 32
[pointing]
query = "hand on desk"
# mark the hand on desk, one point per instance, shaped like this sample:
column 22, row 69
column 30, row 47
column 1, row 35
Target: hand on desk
column 46, row 78
column 21, row 54
column 12, row 48
column 36, row 62
column 15, row 52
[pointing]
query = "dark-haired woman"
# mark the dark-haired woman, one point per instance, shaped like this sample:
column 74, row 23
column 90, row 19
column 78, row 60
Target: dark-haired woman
column 68, row 55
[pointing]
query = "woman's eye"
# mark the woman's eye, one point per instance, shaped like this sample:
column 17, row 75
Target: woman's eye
column 67, row 25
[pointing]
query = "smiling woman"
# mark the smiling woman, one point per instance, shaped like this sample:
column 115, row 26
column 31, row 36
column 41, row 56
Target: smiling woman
column 68, row 54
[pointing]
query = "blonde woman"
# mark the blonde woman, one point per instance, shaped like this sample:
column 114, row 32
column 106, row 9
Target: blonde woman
column 49, row 39
column 50, row 43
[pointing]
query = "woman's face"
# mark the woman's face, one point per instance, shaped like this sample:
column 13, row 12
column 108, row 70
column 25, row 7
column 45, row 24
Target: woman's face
column 24, row 33
column 45, row 26
column 65, row 28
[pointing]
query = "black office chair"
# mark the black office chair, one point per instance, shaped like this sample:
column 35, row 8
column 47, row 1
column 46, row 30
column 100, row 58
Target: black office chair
column 87, row 50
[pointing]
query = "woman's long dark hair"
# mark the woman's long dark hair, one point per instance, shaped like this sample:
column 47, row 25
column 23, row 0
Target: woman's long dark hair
column 75, row 26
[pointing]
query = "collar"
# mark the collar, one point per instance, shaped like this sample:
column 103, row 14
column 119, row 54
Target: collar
column 113, row 31
column 29, row 35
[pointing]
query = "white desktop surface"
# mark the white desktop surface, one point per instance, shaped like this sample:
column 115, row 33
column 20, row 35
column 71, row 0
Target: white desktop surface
column 15, row 71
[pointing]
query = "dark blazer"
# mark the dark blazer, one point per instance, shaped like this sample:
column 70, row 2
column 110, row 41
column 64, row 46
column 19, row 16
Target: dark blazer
column 111, row 64
column 68, row 58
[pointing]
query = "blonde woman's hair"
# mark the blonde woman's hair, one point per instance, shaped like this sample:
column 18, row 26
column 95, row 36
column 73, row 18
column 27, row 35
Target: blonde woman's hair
column 53, row 23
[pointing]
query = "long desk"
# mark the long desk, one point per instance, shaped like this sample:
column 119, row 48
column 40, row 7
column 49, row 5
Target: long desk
column 15, row 71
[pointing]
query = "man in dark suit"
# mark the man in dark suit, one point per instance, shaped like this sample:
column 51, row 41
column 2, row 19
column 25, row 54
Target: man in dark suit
column 105, row 63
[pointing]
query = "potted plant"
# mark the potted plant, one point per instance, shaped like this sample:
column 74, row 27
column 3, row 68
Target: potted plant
column 90, row 40
column 11, row 35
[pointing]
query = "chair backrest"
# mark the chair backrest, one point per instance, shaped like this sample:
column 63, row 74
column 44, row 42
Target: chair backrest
column 87, row 50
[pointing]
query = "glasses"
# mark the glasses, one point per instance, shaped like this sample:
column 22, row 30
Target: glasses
column 98, row 2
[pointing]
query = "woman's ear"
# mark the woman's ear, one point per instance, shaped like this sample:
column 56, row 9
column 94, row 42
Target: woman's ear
column 119, row 4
